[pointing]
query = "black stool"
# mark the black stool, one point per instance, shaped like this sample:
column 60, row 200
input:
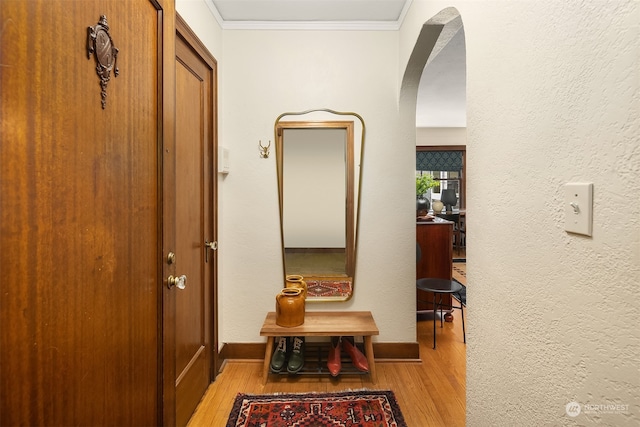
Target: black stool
column 439, row 287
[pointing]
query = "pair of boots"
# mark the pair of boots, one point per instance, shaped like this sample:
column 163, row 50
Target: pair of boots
column 334, row 364
column 291, row 349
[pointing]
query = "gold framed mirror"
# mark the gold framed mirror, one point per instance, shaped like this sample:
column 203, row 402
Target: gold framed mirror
column 319, row 165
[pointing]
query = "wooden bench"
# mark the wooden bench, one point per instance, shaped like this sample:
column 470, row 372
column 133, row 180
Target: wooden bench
column 324, row 324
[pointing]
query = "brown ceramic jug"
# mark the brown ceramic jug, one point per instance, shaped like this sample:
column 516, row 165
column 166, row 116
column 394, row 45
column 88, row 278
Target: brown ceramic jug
column 296, row 281
column 290, row 308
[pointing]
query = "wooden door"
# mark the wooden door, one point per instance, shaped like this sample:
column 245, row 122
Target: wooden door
column 80, row 209
column 195, row 220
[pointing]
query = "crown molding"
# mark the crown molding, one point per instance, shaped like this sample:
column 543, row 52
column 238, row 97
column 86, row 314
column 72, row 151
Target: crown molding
column 312, row 25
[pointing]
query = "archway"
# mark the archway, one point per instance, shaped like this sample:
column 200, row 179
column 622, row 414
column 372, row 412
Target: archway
column 434, row 57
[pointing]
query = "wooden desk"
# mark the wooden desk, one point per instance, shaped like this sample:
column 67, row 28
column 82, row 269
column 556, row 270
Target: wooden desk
column 324, row 324
column 436, row 242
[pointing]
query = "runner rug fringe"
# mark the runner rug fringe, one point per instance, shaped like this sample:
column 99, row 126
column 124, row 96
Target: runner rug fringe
column 361, row 408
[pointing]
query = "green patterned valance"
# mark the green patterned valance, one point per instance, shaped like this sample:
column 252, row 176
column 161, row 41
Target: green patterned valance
column 439, row 160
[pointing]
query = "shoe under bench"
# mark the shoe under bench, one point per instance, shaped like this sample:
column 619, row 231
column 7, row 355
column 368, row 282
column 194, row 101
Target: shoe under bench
column 324, row 324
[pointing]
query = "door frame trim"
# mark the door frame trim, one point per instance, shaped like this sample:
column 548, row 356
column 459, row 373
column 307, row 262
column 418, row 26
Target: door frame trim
column 166, row 161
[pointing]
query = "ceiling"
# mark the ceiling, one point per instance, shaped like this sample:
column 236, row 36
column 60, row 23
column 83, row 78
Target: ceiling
column 345, row 14
column 442, row 92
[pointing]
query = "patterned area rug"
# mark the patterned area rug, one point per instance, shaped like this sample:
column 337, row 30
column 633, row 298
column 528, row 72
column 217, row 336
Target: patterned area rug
column 459, row 271
column 462, row 295
column 365, row 408
column 460, row 276
column 328, row 288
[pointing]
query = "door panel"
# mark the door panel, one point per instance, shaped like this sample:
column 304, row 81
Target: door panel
column 80, row 214
column 195, row 184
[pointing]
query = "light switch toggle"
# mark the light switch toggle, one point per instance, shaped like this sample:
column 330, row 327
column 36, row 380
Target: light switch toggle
column 578, row 210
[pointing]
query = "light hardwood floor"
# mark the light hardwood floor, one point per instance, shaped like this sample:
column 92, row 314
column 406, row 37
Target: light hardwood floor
column 430, row 392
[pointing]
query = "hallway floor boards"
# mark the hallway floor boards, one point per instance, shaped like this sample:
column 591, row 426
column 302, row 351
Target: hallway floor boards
column 430, row 392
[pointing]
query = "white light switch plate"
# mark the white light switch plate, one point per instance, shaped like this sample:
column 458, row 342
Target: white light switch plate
column 578, row 207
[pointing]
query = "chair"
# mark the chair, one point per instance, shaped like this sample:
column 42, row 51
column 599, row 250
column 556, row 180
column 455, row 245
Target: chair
column 462, row 229
column 457, row 227
column 439, row 287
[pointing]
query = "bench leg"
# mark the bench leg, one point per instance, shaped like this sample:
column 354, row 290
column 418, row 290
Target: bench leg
column 267, row 360
column 368, row 346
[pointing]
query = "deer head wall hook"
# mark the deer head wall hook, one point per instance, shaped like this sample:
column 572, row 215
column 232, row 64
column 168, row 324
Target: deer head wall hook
column 264, row 151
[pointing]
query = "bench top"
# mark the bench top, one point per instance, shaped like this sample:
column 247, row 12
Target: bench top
column 324, row 323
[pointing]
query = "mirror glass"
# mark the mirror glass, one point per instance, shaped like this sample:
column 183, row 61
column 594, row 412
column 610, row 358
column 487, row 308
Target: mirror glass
column 319, row 155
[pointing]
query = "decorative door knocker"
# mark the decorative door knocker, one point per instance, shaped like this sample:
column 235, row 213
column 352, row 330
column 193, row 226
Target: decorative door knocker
column 99, row 43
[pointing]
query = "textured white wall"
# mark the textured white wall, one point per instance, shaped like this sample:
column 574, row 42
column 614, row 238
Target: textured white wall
column 271, row 72
column 552, row 95
column 198, row 16
column 263, row 74
column 441, row 136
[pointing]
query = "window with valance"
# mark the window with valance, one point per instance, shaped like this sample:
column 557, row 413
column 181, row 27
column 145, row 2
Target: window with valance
column 447, row 166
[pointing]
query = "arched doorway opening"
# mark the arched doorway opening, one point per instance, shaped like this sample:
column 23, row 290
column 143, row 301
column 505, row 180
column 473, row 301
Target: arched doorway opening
column 433, row 106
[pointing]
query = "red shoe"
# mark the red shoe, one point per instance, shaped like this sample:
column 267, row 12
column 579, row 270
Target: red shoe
column 333, row 361
column 359, row 360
